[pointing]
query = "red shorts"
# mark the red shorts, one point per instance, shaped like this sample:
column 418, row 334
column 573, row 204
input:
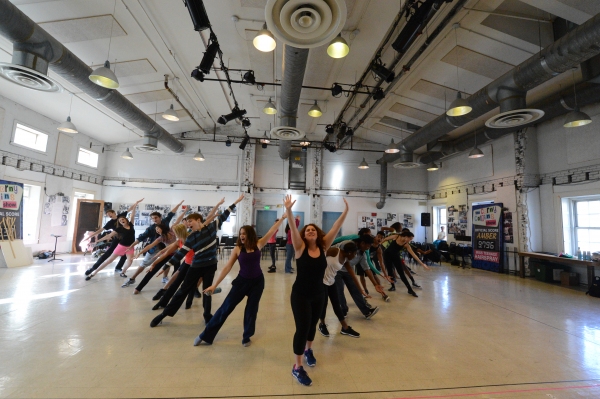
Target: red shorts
column 121, row 250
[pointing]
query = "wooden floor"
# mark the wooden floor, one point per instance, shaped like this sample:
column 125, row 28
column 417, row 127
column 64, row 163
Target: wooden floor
column 470, row 333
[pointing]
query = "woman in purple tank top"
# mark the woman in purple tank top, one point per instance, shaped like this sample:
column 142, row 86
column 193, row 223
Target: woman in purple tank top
column 250, row 282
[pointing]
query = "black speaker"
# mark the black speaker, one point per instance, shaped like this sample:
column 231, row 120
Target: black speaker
column 425, row 219
column 107, row 206
column 198, row 14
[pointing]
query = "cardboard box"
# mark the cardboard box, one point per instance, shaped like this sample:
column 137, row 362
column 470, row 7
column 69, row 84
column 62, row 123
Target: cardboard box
column 569, row 279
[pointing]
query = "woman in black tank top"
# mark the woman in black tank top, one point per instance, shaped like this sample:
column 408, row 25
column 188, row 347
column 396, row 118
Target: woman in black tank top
column 308, row 292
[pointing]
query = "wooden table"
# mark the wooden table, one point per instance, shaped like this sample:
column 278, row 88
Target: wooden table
column 567, row 261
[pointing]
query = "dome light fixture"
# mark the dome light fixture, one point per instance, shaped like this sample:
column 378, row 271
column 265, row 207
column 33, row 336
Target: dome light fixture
column 104, row 77
column 170, row 114
column 432, row 166
column 459, row 107
column 363, row 164
column 264, row 139
column 270, row 108
column 475, row 152
column 577, row 118
column 68, row 126
column 126, row 154
column 392, row 148
column 315, row 110
column 338, row 48
column 199, row 156
column 305, row 143
column 264, row 40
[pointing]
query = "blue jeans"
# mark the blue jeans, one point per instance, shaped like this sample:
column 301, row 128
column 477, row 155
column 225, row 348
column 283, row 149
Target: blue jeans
column 240, row 287
column 289, row 255
column 343, row 278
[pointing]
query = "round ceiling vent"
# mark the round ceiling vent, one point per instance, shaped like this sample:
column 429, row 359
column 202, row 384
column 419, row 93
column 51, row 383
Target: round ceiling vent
column 287, row 133
column 28, row 78
column 514, row 118
column 305, row 23
column 147, row 148
column 407, row 165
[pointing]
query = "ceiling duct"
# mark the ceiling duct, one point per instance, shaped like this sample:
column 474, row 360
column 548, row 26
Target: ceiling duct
column 513, row 109
column 29, row 70
column 382, row 186
column 150, row 145
column 567, row 52
column 405, row 159
column 39, row 47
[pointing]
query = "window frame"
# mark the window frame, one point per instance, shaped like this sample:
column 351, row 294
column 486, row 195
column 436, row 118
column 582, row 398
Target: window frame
column 79, row 149
column 574, row 220
column 14, row 132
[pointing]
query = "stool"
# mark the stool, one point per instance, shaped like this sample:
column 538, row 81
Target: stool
column 54, row 253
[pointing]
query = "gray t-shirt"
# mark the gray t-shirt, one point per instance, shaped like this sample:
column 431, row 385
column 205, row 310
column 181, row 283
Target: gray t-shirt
column 360, row 258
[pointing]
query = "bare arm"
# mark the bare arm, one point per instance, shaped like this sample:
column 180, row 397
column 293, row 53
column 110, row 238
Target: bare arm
column 108, row 237
column 263, row 241
column 131, row 208
column 94, row 235
column 174, row 210
column 168, row 251
column 330, row 236
column 297, row 241
column 415, row 257
column 390, row 238
column 149, row 246
column 132, row 217
column 214, row 210
column 234, row 256
column 179, row 218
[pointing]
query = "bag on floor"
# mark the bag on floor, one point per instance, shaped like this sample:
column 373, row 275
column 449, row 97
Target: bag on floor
column 595, row 288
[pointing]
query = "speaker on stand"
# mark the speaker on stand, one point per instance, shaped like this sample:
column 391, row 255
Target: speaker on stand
column 425, row 222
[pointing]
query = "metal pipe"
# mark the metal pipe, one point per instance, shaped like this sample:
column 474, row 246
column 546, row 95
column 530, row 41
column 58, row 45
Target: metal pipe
column 181, row 104
column 383, row 186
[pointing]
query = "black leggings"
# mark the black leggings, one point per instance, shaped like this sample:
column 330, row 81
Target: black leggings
column 151, row 274
column 189, row 286
column 306, row 310
column 272, row 249
column 394, row 262
column 332, row 293
column 164, row 300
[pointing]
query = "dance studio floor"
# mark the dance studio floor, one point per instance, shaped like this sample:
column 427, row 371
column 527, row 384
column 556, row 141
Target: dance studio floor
column 470, row 334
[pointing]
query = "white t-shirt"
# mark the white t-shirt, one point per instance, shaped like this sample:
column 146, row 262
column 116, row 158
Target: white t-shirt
column 442, row 235
column 333, row 266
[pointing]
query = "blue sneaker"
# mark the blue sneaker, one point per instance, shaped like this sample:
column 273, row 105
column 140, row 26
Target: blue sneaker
column 301, row 376
column 310, row 358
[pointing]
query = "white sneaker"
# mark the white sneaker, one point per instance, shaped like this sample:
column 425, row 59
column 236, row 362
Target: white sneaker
column 165, row 280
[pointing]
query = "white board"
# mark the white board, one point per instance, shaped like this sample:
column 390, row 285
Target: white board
column 23, row 255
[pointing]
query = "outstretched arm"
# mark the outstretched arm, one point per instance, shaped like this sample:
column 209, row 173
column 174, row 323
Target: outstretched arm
column 263, row 241
column 234, row 256
column 335, row 228
column 132, row 217
column 174, row 210
column 356, row 282
column 107, row 237
column 297, row 241
column 215, row 209
column 415, row 257
column 132, row 207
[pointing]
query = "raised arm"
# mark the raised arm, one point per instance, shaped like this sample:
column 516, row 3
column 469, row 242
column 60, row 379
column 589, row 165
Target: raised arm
column 100, row 230
column 297, row 241
column 263, row 241
column 234, row 256
column 179, row 218
column 132, row 217
column 215, row 209
column 132, row 207
column 335, row 228
column 174, row 210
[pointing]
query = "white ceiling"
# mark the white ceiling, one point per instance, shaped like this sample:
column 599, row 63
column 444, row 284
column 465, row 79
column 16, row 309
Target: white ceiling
column 152, row 38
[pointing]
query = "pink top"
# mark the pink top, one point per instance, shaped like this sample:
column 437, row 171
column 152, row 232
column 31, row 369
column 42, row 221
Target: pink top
column 273, row 238
column 289, row 233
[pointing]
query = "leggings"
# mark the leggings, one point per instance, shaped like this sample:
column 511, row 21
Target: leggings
column 188, row 286
column 306, row 309
column 394, row 262
column 151, row 274
column 332, row 293
column 164, row 300
column 272, row 249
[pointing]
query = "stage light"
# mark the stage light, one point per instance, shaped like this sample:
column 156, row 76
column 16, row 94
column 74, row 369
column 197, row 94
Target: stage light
column 209, row 56
column 228, row 143
column 264, row 145
column 244, row 142
column 382, row 72
column 246, row 122
column 198, row 14
column 235, row 113
column 378, row 94
column 249, row 77
column 196, row 74
column 336, row 90
column 329, row 129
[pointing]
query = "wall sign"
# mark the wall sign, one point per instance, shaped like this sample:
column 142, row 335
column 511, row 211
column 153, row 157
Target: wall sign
column 487, row 237
column 11, row 209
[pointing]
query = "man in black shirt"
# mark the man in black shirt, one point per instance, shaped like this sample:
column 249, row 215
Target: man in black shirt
column 112, row 224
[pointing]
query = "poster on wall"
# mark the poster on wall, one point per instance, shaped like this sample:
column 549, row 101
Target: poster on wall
column 11, row 209
column 462, row 220
column 487, row 237
column 59, row 207
column 375, row 221
column 408, row 221
column 508, row 228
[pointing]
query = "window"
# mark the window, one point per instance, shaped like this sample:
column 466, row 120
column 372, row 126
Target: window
column 27, row 137
column 31, row 212
column 87, row 158
column 439, row 221
column 586, row 224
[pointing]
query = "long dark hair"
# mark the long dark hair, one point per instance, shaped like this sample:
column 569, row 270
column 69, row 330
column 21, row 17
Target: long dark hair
column 251, row 238
column 165, row 230
column 287, row 228
column 320, row 235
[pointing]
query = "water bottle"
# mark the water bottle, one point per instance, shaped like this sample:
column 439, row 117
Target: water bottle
column 579, row 255
column 588, row 256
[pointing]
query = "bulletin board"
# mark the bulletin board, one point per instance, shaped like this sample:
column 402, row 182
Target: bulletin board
column 376, row 220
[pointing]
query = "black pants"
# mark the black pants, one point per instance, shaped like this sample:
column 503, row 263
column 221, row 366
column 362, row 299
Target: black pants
column 394, row 262
column 332, row 294
column 240, row 288
column 272, row 249
column 343, row 278
column 164, row 300
column 189, row 285
column 306, row 310
column 107, row 254
column 151, row 274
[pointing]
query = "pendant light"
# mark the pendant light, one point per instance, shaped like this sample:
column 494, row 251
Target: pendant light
column 199, row 156
column 459, row 106
column 338, row 48
column 270, row 108
column 126, row 154
column 103, row 76
column 170, row 114
column 475, row 152
column 315, row 110
column 68, row 126
column 363, row 164
column 392, row 148
column 305, row 143
column 264, row 139
column 264, row 40
column 432, row 166
column 576, row 118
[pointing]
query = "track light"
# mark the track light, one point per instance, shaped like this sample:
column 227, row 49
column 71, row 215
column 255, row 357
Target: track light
column 199, row 156
column 270, row 108
column 104, row 77
column 228, row 143
column 209, row 56
column 577, row 118
column 304, row 149
column 264, row 40
column 249, row 77
column 459, row 107
column 338, row 48
column 264, row 139
column 126, row 154
column 264, row 145
column 315, row 110
column 392, row 148
column 363, row 164
column 378, row 94
column 235, row 113
column 244, row 142
column 349, row 132
column 196, row 74
column 336, row 90
column 170, row 114
column 329, row 129
column 382, row 72
column 246, row 122
column 432, row 166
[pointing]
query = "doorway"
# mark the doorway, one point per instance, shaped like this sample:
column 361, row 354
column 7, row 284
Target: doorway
column 329, row 219
column 264, row 221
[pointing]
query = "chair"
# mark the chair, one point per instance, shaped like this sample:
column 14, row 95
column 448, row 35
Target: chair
column 222, row 243
column 443, row 248
column 281, row 243
column 229, row 243
column 453, row 249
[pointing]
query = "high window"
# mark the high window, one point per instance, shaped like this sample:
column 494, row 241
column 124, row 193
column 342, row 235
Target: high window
column 25, row 136
column 585, row 218
column 87, row 158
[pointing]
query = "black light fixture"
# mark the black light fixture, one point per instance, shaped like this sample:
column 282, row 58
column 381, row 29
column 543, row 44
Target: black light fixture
column 235, row 113
column 244, row 142
column 249, row 77
column 329, row 129
column 304, row 148
column 378, row 94
column 196, row 74
column 246, row 122
column 336, row 90
column 209, row 55
column 198, row 14
column 349, row 132
column 330, row 147
column 382, row 72
column 228, row 143
column 264, row 145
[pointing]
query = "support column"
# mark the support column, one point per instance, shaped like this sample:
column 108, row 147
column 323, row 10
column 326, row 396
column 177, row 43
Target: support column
column 521, row 195
column 246, row 207
column 316, row 213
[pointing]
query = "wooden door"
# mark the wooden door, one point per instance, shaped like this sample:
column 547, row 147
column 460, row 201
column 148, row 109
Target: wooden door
column 87, row 218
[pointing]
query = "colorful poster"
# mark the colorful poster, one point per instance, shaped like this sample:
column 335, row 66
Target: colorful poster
column 11, row 210
column 508, row 228
column 487, row 237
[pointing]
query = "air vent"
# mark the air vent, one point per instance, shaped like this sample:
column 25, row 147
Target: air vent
column 29, row 78
column 514, row 118
column 149, row 145
column 287, row 133
column 406, row 165
column 305, row 23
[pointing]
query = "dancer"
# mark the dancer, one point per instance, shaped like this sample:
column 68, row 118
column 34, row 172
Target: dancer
column 336, row 259
column 126, row 234
column 308, row 291
column 203, row 241
column 272, row 248
column 112, row 224
column 392, row 260
column 289, row 247
column 250, row 282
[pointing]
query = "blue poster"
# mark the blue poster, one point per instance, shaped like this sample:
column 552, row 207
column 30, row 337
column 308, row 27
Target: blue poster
column 11, row 210
column 488, row 240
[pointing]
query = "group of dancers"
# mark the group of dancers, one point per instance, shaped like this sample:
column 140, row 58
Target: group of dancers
column 325, row 265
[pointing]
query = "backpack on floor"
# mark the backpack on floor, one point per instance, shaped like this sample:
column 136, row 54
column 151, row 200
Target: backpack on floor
column 595, row 288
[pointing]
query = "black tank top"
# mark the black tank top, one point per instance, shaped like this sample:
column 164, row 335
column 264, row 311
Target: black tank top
column 309, row 280
column 393, row 249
